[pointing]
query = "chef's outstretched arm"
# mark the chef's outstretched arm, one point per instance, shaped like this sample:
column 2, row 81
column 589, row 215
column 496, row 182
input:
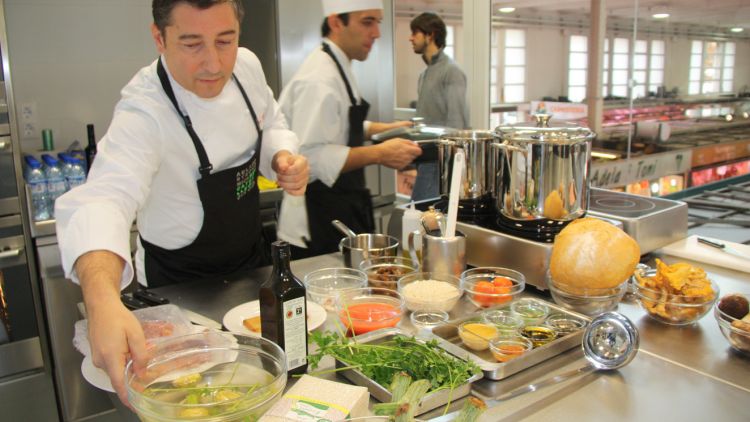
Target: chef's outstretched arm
column 292, row 172
column 374, row 128
column 395, row 153
column 114, row 333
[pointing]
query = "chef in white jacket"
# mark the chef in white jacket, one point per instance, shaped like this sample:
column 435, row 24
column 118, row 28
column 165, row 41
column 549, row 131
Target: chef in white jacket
column 188, row 139
column 325, row 110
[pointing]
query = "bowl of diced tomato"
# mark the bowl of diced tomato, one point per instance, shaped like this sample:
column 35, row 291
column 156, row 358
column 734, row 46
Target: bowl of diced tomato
column 491, row 286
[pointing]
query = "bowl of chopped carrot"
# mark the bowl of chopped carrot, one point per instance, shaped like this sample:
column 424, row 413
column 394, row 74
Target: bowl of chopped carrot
column 490, row 286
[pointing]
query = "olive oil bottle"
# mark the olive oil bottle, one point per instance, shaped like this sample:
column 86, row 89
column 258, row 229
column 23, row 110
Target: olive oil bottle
column 283, row 310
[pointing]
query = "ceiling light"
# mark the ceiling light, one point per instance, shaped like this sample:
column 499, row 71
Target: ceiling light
column 737, row 29
column 659, row 12
column 506, row 9
column 660, row 15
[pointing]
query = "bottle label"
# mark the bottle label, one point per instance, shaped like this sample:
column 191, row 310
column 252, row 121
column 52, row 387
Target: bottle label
column 295, row 332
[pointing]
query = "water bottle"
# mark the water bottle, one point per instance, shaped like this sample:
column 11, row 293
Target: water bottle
column 65, row 166
column 76, row 175
column 55, row 181
column 37, row 182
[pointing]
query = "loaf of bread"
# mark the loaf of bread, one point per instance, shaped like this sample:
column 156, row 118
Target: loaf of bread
column 592, row 254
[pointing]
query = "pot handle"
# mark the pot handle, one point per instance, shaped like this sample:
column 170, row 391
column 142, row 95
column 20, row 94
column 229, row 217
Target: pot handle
column 503, row 145
column 447, row 142
column 412, row 248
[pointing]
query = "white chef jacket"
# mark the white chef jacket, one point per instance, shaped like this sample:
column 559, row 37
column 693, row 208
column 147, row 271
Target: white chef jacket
column 147, row 166
column 316, row 105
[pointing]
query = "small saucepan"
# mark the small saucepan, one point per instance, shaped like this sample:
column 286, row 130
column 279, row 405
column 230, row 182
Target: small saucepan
column 361, row 247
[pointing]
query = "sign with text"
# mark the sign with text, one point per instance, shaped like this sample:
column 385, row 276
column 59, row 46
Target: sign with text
column 623, row 172
column 560, row 111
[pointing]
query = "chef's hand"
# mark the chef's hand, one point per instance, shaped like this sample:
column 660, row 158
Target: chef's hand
column 292, row 172
column 397, row 153
column 115, row 336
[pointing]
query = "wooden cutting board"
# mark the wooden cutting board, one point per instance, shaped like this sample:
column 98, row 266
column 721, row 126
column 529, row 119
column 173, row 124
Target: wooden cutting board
column 690, row 248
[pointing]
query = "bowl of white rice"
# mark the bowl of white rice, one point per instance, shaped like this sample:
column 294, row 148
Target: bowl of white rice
column 425, row 291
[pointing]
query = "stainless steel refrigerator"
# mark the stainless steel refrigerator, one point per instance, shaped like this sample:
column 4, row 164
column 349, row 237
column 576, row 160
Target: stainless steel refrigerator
column 26, row 387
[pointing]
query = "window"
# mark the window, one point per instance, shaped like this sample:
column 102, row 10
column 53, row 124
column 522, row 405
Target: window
column 514, row 78
column 494, row 66
column 647, row 68
column 656, row 66
column 577, row 64
column 711, row 67
column 450, row 42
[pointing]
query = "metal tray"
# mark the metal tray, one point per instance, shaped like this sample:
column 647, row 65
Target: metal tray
column 430, row 401
column 448, row 339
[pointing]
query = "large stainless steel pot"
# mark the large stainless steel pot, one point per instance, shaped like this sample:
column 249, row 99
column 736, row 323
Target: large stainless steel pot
column 542, row 172
column 477, row 172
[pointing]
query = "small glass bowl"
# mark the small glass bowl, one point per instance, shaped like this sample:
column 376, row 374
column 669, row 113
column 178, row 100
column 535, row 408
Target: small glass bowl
column 539, row 335
column 428, row 319
column 369, row 309
column 491, row 286
column 476, row 335
column 507, row 323
column 428, row 302
column 675, row 309
column 530, row 311
column 505, row 349
column 324, row 286
column 734, row 330
column 384, row 271
column 587, row 301
column 564, row 324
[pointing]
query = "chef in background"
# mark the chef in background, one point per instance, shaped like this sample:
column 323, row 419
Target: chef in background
column 324, row 108
column 441, row 97
column 187, row 141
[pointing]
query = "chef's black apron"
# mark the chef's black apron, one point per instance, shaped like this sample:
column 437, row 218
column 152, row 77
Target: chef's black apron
column 229, row 240
column 348, row 199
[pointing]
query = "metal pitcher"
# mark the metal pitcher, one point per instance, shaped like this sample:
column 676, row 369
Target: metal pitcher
column 542, row 172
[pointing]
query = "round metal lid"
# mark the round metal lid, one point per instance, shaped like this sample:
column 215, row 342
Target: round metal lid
column 540, row 131
column 610, row 341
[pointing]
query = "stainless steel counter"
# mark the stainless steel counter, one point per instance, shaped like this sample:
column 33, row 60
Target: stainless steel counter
column 680, row 373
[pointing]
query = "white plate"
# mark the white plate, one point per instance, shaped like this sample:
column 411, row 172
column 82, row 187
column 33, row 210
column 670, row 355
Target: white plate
column 95, row 376
column 316, row 316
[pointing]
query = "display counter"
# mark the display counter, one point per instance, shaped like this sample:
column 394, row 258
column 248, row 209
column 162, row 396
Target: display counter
column 680, row 373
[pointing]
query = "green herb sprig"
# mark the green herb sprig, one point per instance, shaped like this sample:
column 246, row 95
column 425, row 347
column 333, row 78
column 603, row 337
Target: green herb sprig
column 381, row 361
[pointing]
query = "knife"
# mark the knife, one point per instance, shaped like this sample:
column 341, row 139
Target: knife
column 723, row 247
column 199, row 319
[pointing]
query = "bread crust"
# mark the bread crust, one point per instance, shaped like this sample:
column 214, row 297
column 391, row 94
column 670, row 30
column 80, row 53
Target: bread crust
column 592, row 254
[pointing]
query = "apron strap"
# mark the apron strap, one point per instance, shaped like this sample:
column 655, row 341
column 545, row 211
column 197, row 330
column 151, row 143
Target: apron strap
column 206, row 166
column 255, row 117
column 328, row 51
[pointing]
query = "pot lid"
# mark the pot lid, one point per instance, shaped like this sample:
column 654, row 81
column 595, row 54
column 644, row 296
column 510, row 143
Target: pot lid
column 462, row 136
column 542, row 130
column 417, row 132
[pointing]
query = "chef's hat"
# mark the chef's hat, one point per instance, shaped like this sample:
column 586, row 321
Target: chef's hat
column 335, row 7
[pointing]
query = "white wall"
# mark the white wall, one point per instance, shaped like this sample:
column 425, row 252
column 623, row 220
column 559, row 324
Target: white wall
column 72, row 57
column 545, row 63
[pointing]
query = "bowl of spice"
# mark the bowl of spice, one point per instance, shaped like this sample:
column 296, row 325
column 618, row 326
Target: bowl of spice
column 385, row 271
column 369, row 309
column 476, row 335
column 531, row 311
column 505, row 349
column 430, row 291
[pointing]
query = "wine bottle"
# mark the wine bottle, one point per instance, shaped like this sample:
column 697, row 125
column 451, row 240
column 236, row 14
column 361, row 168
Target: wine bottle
column 91, row 147
column 283, row 310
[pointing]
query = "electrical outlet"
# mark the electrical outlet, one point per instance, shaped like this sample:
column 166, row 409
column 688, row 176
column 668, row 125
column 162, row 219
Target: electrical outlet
column 28, row 130
column 28, row 112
